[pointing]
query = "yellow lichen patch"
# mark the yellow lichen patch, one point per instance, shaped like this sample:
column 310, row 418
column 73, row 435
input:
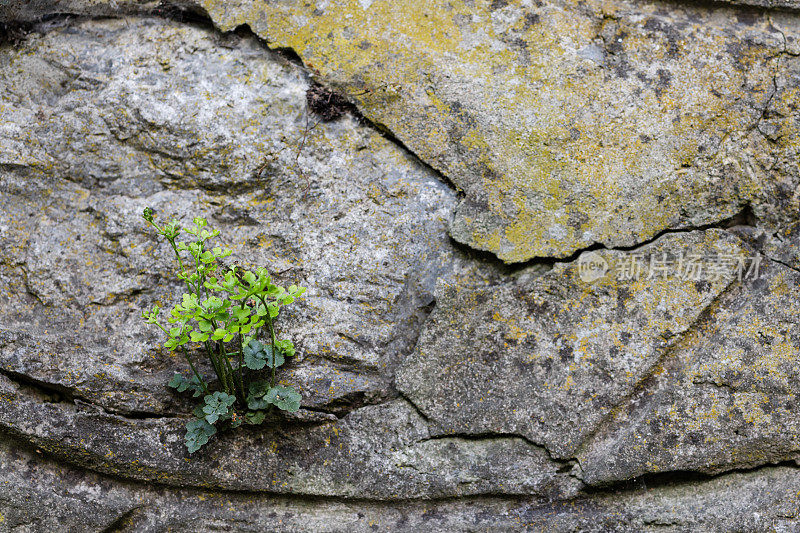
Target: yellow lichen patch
column 566, row 147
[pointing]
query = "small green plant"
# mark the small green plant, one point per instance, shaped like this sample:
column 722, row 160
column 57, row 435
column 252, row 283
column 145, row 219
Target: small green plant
column 224, row 312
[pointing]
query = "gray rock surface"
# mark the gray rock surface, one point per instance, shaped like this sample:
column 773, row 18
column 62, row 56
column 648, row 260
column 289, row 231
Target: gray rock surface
column 565, row 124
column 79, row 501
column 726, row 397
column 443, row 390
column 365, row 232
column 550, row 357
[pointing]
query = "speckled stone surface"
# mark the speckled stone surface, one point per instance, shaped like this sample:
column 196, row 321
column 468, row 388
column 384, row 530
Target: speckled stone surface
column 461, row 368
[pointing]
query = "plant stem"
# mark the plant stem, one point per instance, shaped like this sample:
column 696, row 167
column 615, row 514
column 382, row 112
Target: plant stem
column 241, row 364
column 216, row 364
column 178, row 255
column 232, row 374
column 189, row 360
column 272, row 337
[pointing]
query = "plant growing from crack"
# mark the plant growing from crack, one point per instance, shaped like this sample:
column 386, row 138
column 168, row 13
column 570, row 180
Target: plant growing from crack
column 225, row 311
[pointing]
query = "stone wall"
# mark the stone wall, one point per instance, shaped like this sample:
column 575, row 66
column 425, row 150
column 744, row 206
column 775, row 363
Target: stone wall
column 461, row 367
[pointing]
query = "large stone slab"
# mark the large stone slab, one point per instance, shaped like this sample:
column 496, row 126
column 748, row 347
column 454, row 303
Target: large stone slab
column 79, row 501
column 566, row 123
column 378, row 452
column 104, row 118
column 727, row 396
column 550, row 357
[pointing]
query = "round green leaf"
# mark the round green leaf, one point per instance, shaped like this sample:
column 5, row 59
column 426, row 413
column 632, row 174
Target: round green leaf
column 285, row 398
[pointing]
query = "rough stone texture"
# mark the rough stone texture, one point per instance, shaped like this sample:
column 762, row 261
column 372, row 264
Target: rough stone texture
column 443, row 390
column 367, row 237
column 390, row 443
column 726, row 397
column 365, row 234
column 581, row 122
column 79, row 501
column 550, row 357
column 567, row 123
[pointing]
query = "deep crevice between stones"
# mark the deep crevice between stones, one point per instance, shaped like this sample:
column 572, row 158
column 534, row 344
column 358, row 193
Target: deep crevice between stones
column 343, row 104
column 47, row 392
column 745, row 217
column 656, row 480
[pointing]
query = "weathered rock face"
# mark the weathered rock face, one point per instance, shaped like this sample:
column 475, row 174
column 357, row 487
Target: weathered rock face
column 570, row 123
column 550, row 357
column 443, row 390
column 365, row 231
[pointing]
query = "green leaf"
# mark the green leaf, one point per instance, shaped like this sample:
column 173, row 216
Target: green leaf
column 199, row 337
column 259, row 388
column 212, row 285
column 253, row 345
column 241, row 312
column 219, row 334
column 256, row 400
column 152, row 315
column 213, row 303
column 278, row 357
column 254, row 360
column 197, row 434
column 255, row 417
column 286, row 347
column 219, row 252
column 182, row 384
column 189, row 301
column 230, row 280
column 258, row 355
column 284, row 398
column 257, row 403
column 273, row 309
column 217, row 406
